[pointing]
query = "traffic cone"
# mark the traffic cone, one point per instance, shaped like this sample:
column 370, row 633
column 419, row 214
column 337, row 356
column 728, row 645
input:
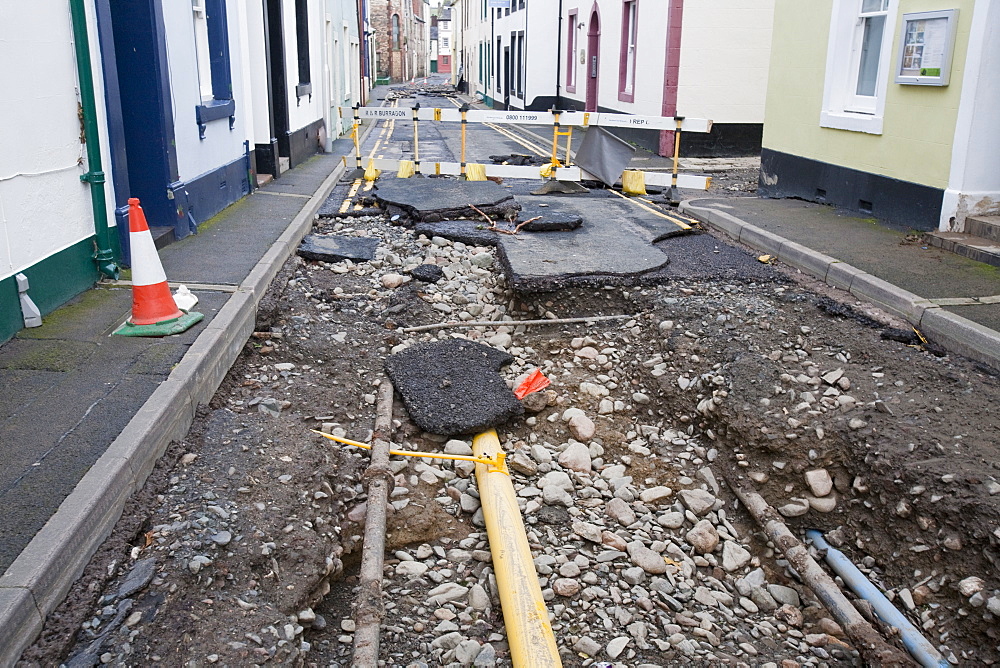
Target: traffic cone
column 154, row 312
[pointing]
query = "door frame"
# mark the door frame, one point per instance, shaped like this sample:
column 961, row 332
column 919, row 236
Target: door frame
column 593, row 58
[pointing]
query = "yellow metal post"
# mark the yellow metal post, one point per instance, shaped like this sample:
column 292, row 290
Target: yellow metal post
column 357, row 143
column 416, row 140
column 679, row 120
column 529, row 633
column 465, row 111
column 555, row 139
column 569, row 145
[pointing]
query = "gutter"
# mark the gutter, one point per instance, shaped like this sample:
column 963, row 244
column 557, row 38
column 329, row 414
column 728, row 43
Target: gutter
column 105, row 255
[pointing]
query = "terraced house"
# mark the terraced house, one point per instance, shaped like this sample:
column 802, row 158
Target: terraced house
column 185, row 105
column 887, row 107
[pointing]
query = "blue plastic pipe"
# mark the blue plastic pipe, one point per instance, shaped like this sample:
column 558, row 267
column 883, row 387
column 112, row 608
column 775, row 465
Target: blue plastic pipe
column 915, row 643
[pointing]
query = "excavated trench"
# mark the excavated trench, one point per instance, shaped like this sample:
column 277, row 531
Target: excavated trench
column 727, row 366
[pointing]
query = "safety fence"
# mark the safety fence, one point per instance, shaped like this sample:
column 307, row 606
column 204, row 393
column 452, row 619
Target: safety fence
column 562, row 122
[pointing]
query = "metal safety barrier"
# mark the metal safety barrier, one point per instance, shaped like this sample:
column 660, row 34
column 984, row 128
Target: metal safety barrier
column 556, row 170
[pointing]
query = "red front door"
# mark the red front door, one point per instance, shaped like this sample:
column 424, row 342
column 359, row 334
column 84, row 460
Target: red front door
column 593, row 60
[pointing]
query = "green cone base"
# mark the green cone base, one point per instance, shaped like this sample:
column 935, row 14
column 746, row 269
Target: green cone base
column 164, row 328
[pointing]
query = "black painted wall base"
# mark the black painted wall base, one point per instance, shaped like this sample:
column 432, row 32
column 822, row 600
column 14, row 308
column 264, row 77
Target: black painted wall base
column 726, row 140
column 898, row 202
column 266, row 158
column 304, row 143
column 210, row 193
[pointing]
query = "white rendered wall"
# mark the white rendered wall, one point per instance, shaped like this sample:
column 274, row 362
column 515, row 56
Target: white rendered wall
column 725, row 55
column 301, row 110
column 44, row 207
column 253, row 70
column 221, row 145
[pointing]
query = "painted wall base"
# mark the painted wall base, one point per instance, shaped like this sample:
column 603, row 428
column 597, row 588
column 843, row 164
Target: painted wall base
column 304, row 143
column 898, row 202
column 54, row 281
column 203, row 197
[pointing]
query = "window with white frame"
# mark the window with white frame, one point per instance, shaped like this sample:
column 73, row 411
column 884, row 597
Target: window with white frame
column 857, row 66
column 201, row 48
column 626, row 69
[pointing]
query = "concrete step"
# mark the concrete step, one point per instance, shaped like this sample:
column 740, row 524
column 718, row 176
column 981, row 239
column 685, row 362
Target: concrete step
column 987, row 227
column 967, row 245
column 162, row 236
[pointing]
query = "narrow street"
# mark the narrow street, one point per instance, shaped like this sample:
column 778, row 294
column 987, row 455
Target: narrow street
column 244, row 545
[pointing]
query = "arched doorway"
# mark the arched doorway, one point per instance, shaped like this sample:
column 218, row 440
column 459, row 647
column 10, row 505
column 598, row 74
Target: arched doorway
column 593, row 59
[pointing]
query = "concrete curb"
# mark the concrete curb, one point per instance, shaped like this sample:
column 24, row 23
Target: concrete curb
column 40, row 577
column 954, row 332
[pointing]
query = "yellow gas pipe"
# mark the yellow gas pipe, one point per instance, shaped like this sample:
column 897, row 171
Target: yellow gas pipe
column 529, row 633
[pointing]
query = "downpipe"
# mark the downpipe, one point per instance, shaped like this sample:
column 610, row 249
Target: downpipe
column 529, row 633
column 915, row 643
column 104, row 255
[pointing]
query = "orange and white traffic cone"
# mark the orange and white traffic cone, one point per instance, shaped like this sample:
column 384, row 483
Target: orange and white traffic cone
column 154, row 312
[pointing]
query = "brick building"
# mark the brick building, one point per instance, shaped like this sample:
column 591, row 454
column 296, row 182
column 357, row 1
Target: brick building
column 400, row 38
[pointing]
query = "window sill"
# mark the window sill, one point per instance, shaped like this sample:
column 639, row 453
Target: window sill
column 570, row 88
column 626, row 97
column 853, row 122
column 213, row 110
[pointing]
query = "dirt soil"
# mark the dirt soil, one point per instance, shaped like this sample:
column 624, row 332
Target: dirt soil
column 254, row 523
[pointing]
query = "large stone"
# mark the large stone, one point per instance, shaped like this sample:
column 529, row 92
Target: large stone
column 621, row 511
column 332, row 248
column 819, row 481
column 698, row 501
column 566, row 587
column 646, row 559
column 703, row 537
column 656, row 494
column 558, row 479
column 467, row 651
column 436, row 381
column 576, row 457
column 734, row 557
column 582, row 427
column 588, row 531
column 445, row 593
column 617, row 646
column 409, row 569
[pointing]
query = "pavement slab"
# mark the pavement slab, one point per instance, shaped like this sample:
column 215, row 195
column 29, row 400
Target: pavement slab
column 333, row 248
column 452, row 387
column 436, row 199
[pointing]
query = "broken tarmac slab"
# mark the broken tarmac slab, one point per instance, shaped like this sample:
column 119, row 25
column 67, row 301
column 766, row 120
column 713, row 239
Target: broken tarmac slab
column 472, row 232
column 453, row 387
column 555, row 215
column 338, row 248
column 602, row 252
column 433, row 200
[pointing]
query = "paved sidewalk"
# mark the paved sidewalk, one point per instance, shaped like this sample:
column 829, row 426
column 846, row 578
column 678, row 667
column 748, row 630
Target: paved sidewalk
column 952, row 300
column 89, row 414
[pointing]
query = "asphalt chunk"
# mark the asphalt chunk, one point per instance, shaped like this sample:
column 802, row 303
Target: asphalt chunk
column 337, row 249
column 453, row 387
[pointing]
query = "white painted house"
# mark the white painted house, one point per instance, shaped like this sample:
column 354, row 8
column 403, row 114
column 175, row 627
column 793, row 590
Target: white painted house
column 181, row 104
column 663, row 57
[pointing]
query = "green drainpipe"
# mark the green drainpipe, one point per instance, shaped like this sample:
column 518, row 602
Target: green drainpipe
column 105, row 256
